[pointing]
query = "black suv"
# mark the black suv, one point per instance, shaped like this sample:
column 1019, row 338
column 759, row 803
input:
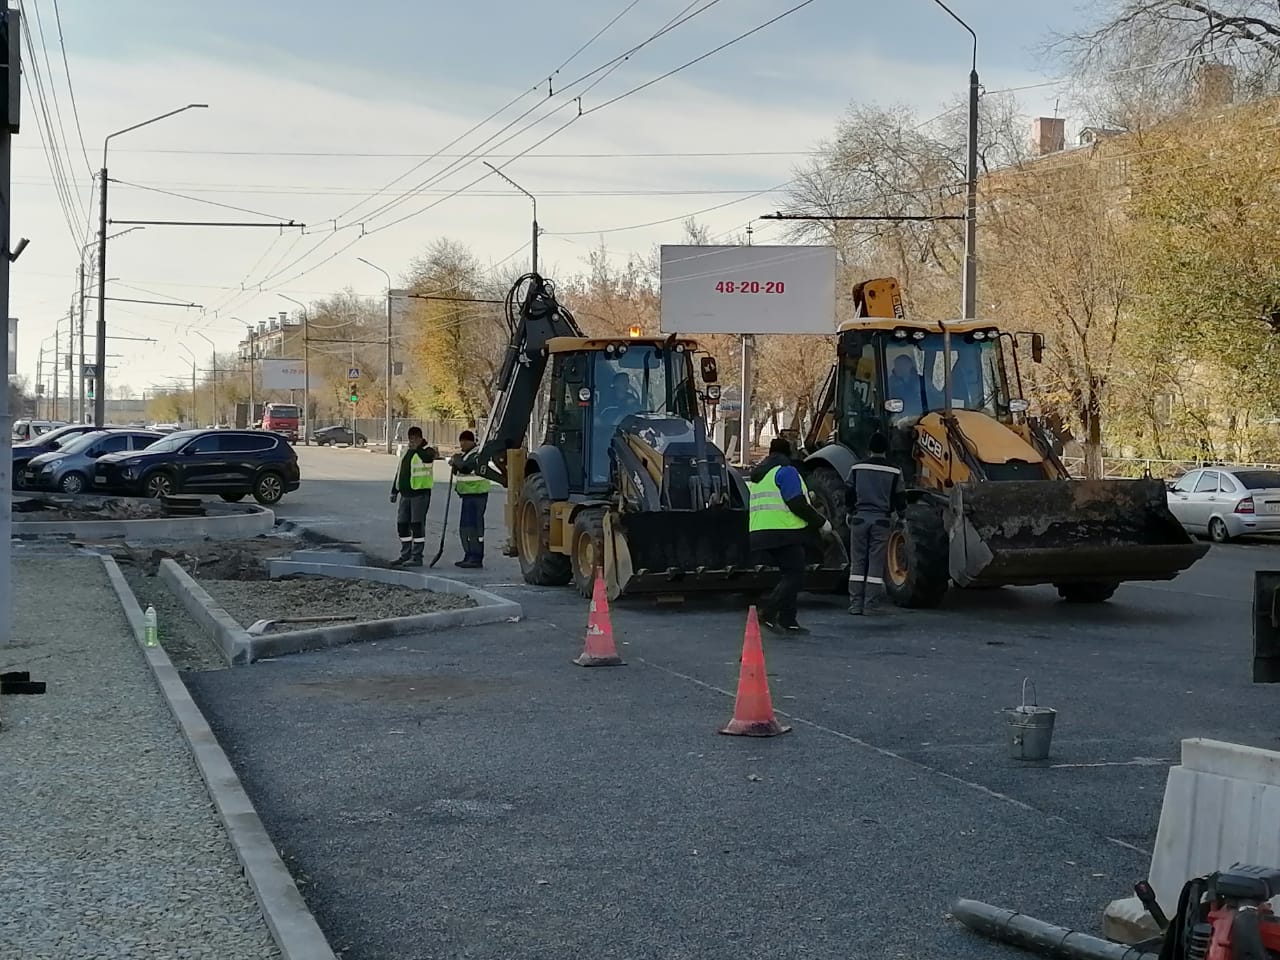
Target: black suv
column 229, row 463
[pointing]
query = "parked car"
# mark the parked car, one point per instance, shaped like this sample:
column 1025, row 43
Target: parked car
column 164, row 427
column 70, row 467
column 1223, row 503
column 338, row 434
column 53, row 440
column 229, row 463
column 24, row 430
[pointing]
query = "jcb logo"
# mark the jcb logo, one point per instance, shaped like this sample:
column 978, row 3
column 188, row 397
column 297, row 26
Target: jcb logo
column 931, row 445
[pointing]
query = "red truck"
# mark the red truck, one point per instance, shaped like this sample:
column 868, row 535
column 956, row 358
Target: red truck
column 281, row 418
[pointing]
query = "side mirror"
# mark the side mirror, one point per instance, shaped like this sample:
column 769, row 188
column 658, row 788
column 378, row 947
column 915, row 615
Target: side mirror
column 709, row 372
column 1018, row 406
column 1037, row 347
column 893, row 406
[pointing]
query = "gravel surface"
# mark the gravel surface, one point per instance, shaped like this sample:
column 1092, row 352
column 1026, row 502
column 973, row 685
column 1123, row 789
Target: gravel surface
column 112, row 848
column 186, row 643
column 250, row 600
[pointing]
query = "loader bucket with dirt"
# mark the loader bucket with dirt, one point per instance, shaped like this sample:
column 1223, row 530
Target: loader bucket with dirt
column 672, row 553
column 1065, row 531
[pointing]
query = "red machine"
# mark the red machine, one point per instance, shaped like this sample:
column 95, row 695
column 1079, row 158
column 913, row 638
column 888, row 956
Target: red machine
column 1224, row 916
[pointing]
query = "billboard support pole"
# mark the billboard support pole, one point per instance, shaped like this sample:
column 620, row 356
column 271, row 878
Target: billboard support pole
column 744, row 409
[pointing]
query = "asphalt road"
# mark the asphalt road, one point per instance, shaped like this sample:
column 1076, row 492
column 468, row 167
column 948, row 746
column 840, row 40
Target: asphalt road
column 476, row 795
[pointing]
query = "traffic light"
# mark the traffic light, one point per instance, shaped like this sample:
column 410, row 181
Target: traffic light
column 355, row 394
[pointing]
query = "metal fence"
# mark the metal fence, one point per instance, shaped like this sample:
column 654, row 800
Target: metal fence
column 1129, row 468
column 437, row 433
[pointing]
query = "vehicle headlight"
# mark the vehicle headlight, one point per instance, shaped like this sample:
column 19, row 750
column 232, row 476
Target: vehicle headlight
column 51, row 466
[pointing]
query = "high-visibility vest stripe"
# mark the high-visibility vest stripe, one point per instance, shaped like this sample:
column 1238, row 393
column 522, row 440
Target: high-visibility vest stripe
column 768, row 511
column 421, row 474
column 469, row 484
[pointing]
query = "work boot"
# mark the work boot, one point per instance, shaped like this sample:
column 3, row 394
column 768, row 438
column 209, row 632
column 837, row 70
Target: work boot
column 855, row 609
column 795, row 629
column 412, row 562
column 464, row 563
column 770, row 623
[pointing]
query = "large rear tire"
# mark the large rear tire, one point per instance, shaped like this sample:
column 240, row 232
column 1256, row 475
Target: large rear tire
column 917, row 572
column 1098, row 591
column 539, row 565
column 826, row 491
column 587, row 550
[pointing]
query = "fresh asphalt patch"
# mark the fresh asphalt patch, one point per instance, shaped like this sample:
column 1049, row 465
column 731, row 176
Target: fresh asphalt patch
column 474, row 794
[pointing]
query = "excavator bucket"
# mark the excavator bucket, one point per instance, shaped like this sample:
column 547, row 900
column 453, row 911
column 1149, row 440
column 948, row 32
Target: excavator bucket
column 1065, row 531
column 672, row 553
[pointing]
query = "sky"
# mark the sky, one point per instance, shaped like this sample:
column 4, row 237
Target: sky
column 344, row 118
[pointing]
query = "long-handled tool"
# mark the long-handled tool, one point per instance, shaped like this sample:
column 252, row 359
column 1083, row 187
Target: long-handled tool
column 444, row 523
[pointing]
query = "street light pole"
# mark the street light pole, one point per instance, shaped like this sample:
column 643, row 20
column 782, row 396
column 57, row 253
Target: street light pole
column 191, row 354
column 969, row 285
column 386, row 376
column 535, row 419
column 100, row 393
column 306, row 369
column 213, row 350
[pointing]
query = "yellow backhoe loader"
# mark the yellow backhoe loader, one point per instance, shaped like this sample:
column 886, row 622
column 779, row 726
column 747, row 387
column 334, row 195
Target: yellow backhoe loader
column 622, row 475
column 989, row 501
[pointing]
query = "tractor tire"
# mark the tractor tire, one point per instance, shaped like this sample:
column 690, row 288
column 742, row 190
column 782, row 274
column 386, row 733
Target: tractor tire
column 1098, row 591
column 539, row 565
column 917, row 572
column 587, row 549
column 826, row 492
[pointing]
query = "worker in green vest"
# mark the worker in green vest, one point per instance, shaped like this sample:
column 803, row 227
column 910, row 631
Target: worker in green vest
column 781, row 521
column 412, row 488
column 473, row 491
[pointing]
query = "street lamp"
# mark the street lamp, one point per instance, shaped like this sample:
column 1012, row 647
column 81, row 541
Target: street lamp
column 386, row 377
column 213, row 351
column 99, row 397
column 533, row 199
column 306, row 367
column 969, row 285
column 192, row 355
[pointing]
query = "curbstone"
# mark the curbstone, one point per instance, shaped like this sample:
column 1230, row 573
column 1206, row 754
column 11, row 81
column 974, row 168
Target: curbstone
column 243, row 522
column 346, row 558
column 490, row 608
column 292, row 925
column 231, row 639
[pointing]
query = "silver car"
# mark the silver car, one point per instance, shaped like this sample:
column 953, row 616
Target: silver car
column 1223, row 503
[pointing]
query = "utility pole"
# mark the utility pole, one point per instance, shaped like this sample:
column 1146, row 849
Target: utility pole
column 214, row 369
column 57, row 365
column 80, row 371
column 10, row 103
column 386, row 374
column 304, row 423
column 100, row 393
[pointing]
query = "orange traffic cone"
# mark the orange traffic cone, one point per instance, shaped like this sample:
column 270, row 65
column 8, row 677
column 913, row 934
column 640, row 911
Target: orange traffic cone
column 599, row 650
column 753, row 709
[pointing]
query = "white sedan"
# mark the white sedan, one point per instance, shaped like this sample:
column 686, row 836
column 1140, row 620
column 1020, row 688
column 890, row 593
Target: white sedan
column 1223, row 503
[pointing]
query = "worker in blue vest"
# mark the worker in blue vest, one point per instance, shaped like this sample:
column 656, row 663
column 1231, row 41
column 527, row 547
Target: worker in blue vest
column 411, row 487
column 473, row 492
column 873, row 495
column 780, row 523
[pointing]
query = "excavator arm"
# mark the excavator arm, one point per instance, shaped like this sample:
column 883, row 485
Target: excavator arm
column 534, row 317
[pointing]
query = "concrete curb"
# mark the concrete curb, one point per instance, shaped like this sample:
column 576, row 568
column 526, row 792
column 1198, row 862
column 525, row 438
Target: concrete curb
column 247, row 522
column 490, row 608
column 231, row 639
column 292, row 925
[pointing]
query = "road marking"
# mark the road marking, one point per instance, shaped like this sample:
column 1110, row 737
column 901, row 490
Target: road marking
column 884, row 752
column 1187, row 593
column 1135, row 762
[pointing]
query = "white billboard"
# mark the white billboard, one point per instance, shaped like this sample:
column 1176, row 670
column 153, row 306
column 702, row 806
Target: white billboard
column 283, row 374
column 739, row 289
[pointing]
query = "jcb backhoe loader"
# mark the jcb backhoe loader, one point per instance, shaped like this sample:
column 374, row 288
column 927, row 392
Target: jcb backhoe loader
column 623, row 476
column 989, row 501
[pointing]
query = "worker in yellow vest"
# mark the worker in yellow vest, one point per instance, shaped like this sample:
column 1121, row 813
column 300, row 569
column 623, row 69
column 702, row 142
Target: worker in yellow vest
column 473, row 492
column 412, row 488
column 781, row 521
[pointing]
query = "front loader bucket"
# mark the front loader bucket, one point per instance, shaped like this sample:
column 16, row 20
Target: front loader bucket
column 1065, row 531
column 675, row 552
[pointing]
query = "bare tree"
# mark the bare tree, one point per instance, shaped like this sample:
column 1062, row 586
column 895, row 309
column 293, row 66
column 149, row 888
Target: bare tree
column 1140, row 61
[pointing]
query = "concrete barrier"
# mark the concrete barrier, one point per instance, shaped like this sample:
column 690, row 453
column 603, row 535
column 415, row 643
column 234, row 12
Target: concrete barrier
column 231, row 639
column 489, row 608
column 1221, row 806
